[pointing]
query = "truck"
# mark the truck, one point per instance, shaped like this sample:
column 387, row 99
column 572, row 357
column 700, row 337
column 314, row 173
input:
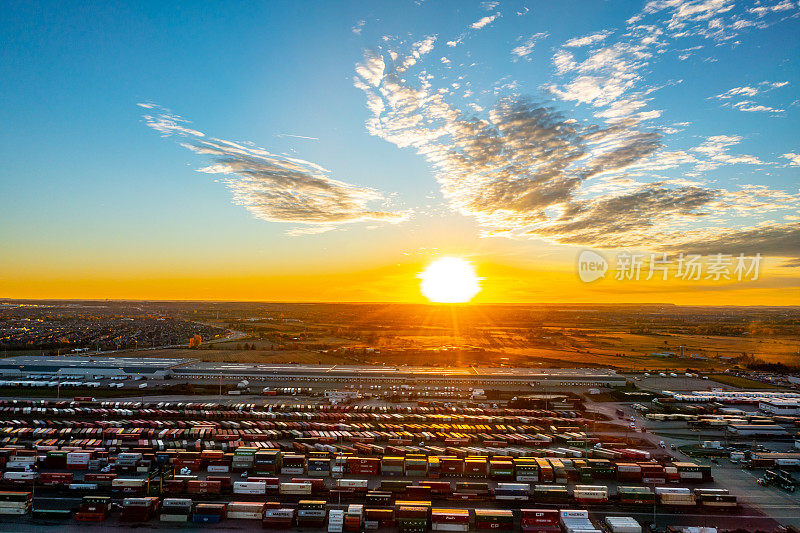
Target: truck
column 779, row 478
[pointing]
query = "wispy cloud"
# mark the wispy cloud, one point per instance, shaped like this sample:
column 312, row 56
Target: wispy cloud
column 484, row 21
column 747, row 91
column 524, row 168
column 273, row 187
column 587, row 40
column 527, row 45
column 358, row 27
column 794, row 159
column 298, row 136
column 611, row 75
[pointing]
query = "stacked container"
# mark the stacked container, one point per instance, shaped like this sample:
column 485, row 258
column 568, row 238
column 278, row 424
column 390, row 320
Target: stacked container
column 243, row 459
column 629, row 472
column 277, row 518
column 623, row 524
column 15, row 503
column 245, row 510
column 265, row 462
column 295, row 489
column 539, row 520
column 635, row 495
column 576, row 520
column 378, row 518
column 78, row 460
column 354, row 517
column 550, row 494
column 250, row 487
column 451, row 466
column 675, row 497
column 526, row 469
column 175, row 510
column 412, row 518
column 512, row 491
column 208, row 513
column 718, row 498
column 416, row 465
column 590, row 493
column 319, row 467
column 450, row 520
column 293, row 464
column 311, row 513
column 203, row 487
column 475, row 467
column 392, row 466
column 93, row 509
column 138, row 509
column 364, row 466
column 494, row 519
column 336, row 521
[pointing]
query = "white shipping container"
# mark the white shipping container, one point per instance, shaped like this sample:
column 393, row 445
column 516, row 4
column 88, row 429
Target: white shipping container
column 279, row 513
column 78, row 458
column 122, row 483
column 252, row 507
column 295, row 488
column 249, row 487
column 218, row 469
column 574, row 513
column 449, row 526
column 244, row 515
column 672, row 490
column 335, row 521
column 352, row 483
column 20, row 465
column 19, row 476
column 13, row 510
column 623, row 524
column 14, row 504
column 173, row 517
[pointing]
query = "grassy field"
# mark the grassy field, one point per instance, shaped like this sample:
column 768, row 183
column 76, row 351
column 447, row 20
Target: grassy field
column 499, row 346
column 742, row 383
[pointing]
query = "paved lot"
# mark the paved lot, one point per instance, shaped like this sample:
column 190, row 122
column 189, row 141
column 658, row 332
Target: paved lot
column 771, row 501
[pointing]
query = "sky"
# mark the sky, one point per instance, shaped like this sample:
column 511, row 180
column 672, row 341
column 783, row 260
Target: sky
column 329, row 151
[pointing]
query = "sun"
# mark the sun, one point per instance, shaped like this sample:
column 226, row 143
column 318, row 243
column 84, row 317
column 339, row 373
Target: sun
column 449, row 280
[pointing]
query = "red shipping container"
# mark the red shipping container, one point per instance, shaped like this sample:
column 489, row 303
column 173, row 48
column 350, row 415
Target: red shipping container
column 418, row 492
column 224, row 481
column 99, row 478
column 539, row 517
column 204, row 487
column 317, row 484
column 174, row 486
column 54, row 479
column 449, row 516
column 497, row 526
column 437, row 487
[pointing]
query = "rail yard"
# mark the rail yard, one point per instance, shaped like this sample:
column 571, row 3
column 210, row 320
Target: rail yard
column 296, row 459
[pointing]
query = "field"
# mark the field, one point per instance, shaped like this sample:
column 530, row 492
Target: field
column 623, row 337
column 740, row 383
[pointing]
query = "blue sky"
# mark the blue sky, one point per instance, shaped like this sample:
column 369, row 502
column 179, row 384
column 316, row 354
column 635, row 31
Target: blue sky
column 705, row 92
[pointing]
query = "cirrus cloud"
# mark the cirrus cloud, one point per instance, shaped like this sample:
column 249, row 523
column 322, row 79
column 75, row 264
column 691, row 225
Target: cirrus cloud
column 273, row 187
